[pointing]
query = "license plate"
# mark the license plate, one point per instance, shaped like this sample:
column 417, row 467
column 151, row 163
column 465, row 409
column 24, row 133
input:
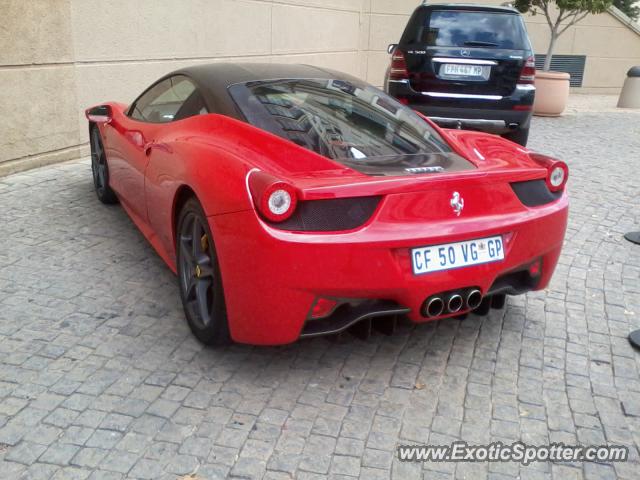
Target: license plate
column 461, row 70
column 455, row 255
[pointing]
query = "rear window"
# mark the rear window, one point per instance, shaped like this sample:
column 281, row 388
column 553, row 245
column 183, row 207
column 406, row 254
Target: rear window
column 457, row 28
column 338, row 119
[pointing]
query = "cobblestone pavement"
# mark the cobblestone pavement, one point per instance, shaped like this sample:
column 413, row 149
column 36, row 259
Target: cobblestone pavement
column 100, row 377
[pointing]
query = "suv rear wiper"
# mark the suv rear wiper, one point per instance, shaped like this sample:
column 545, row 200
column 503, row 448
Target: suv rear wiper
column 477, row 43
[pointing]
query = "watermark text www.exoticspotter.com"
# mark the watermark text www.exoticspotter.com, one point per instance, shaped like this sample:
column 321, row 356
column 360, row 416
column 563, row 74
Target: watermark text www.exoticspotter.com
column 515, row 452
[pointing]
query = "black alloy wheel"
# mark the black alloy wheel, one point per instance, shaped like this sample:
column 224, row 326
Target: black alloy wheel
column 100, row 169
column 199, row 277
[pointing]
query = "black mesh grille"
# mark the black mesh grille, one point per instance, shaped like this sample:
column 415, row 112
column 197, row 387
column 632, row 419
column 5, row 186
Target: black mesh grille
column 534, row 193
column 571, row 64
column 330, row 215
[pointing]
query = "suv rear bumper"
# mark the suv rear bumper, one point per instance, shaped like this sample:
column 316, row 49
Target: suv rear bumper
column 487, row 113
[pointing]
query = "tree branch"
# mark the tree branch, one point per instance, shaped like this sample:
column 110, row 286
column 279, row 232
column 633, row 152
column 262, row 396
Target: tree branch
column 576, row 18
column 545, row 9
column 560, row 18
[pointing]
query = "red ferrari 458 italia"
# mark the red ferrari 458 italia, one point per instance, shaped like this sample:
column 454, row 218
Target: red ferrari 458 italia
column 295, row 201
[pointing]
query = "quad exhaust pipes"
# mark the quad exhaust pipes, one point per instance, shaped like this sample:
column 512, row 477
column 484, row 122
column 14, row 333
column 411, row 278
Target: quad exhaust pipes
column 451, row 302
column 454, row 305
column 433, row 307
column 474, row 299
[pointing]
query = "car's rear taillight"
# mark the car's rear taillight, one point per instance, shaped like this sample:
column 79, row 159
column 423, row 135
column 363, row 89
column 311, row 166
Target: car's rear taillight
column 274, row 199
column 528, row 73
column 557, row 171
column 398, row 69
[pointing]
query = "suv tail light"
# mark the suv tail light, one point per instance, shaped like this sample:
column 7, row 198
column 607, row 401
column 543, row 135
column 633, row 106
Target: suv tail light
column 528, row 73
column 398, row 69
column 557, row 171
column 274, row 199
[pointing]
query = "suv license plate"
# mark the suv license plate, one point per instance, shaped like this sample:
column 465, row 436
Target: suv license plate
column 460, row 70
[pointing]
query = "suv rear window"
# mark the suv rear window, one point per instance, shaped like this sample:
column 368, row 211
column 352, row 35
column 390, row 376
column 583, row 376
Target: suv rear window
column 460, row 28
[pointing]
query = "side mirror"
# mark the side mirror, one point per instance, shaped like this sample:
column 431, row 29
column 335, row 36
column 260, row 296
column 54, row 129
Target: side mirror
column 99, row 114
column 391, row 48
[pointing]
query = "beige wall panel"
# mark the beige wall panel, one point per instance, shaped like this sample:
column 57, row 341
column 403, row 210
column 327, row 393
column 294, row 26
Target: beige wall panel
column 125, row 30
column 601, row 20
column 363, row 64
column 376, row 67
column 385, row 29
column 39, row 111
column 607, row 72
column 403, row 7
column 147, row 29
column 35, row 32
column 234, row 28
column 347, row 62
column 302, row 29
column 349, row 5
column 619, row 43
column 539, row 35
column 365, row 30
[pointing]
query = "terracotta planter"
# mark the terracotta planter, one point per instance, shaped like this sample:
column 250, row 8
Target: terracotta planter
column 552, row 93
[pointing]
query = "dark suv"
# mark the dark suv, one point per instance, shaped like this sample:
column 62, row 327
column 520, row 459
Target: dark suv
column 466, row 66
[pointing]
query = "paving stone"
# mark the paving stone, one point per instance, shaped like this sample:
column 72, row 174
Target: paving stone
column 39, row 471
column 100, row 376
column 342, row 465
column 89, row 457
column 148, row 469
column 25, row 453
column 196, row 446
column 59, row 454
column 76, row 435
column 105, row 439
column 119, row 461
column 182, row 464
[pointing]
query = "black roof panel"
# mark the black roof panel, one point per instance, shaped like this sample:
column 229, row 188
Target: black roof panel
column 213, row 79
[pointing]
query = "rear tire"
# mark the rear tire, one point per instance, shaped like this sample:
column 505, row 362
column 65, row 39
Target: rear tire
column 199, row 277
column 100, row 168
column 519, row 136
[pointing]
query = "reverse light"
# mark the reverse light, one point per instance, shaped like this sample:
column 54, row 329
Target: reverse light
column 279, row 202
column 557, row 176
column 528, row 73
column 398, row 69
column 274, row 199
column 557, row 171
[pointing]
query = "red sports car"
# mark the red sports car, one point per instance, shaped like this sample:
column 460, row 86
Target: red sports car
column 294, row 201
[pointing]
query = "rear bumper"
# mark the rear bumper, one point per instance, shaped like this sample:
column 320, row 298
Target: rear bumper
column 488, row 113
column 272, row 278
